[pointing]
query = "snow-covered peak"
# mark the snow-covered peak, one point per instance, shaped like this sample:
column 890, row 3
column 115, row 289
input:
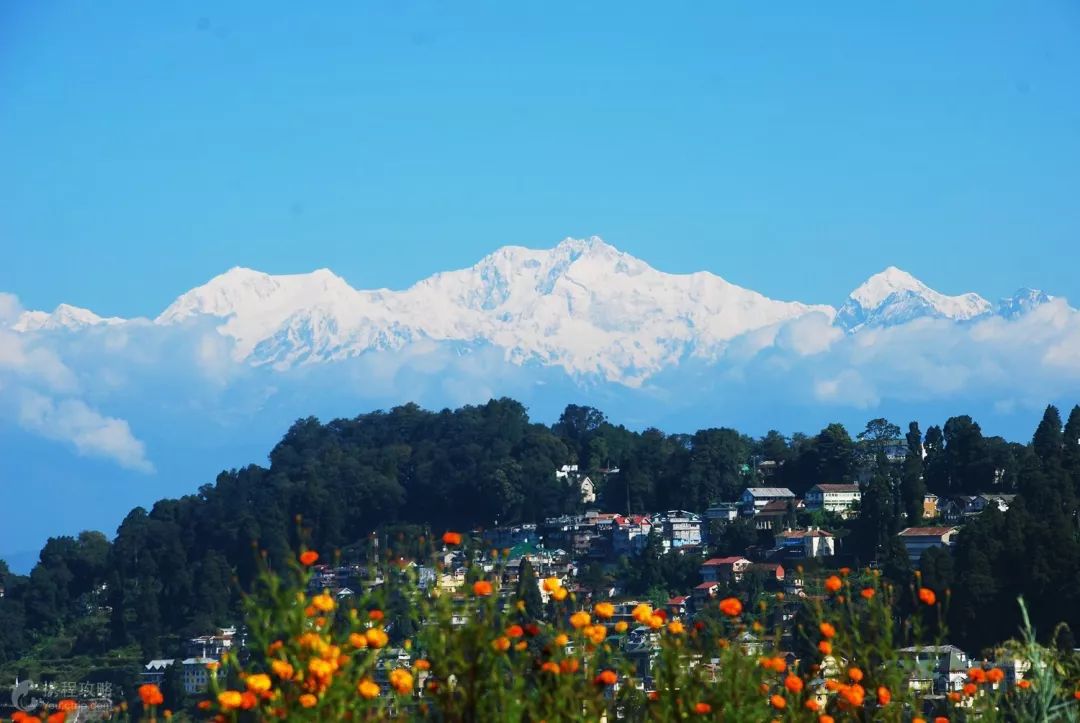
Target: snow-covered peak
column 65, row 316
column 894, row 296
column 1023, row 301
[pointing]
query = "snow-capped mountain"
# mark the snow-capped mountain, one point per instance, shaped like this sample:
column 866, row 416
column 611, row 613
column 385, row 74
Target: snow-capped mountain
column 583, row 306
column 64, row 316
column 894, row 297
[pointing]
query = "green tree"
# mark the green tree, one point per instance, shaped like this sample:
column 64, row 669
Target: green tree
column 528, row 591
column 912, row 487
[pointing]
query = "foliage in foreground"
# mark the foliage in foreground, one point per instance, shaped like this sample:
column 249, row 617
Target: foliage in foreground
column 482, row 655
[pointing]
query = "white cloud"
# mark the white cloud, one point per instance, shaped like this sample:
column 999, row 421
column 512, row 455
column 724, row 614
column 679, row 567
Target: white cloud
column 72, row 421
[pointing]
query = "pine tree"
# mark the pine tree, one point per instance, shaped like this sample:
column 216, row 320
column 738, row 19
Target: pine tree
column 912, row 486
column 1048, row 439
column 528, row 591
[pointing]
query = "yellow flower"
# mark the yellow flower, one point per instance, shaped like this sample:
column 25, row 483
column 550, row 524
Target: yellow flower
column 676, row 628
column 621, row 626
column 229, row 699
column 367, row 689
column 604, row 610
column 401, row 680
column 357, row 640
column 561, row 640
column 307, row 700
column 323, row 602
column 551, row 584
column 258, row 683
column 656, row 622
column 282, row 669
column 559, row 594
column 596, row 633
column 376, row 638
column 642, row 613
column 579, row 619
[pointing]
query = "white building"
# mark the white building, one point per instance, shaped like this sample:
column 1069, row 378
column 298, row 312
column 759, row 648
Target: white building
column 841, row 499
column 679, row 528
column 754, row 498
column 917, row 540
column 807, row 543
column 629, row 534
column 197, row 674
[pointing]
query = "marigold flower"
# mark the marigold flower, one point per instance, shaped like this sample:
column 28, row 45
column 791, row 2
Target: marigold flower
column 259, row 682
column 150, row 694
column 551, row 584
column 579, row 619
column 927, row 595
column 514, row 631
column 793, row 683
column 596, row 633
column 282, row 669
column 778, row 702
column 307, row 700
column 323, row 603
column 1023, row 684
column 833, row 584
column 825, row 647
column 375, row 615
column 451, row 538
column 501, row 644
column 845, row 571
column 58, row 717
column 855, row 674
column 827, row 630
column 569, row 665
column 248, row 700
column 939, row 719
column 1076, row 694
column 867, row 593
column 604, row 610
column 622, row 626
column 401, row 680
column 561, row 640
column 230, row 699
column 832, row 685
column 995, row 675
column 918, row 720
column 606, row 677
column 656, row 622
column 854, row 694
column 559, row 594
column 642, row 613
column 550, row 667
column 367, row 689
column 676, row 628
column 825, row 719
column 955, row 697
column 883, row 695
column 702, row 708
column 970, row 689
column 376, row 637
column 731, row 607
column 811, row 705
column 977, row 675
column 357, row 640
column 309, row 557
column 482, row 588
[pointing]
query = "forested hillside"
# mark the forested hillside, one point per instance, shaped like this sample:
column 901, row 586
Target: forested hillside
column 178, row 568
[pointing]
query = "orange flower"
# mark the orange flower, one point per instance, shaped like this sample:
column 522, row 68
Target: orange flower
column 606, row 677
column 551, row 584
column 811, row 705
column 731, row 607
column 307, row 700
column 514, row 631
column 642, row 613
column 357, row 640
column 854, row 694
column 150, row 694
column 569, row 665
column 401, row 680
column 376, row 637
column 955, row 697
column 451, row 538
column 622, row 626
column 248, row 700
column 309, row 557
column 995, row 675
column 832, row 685
column 827, row 630
column 323, row 602
column 1023, row 684
column 778, row 702
column 561, row 640
column 970, row 689
column 422, row 664
column 604, row 610
column 883, row 695
column 825, row 719
column 833, row 584
column 939, row 719
column 927, row 595
column 501, row 644
column 825, row 647
column 367, row 689
column 793, row 683
column 282, row 669
column 550, row 667
column 867, row 593
column 702, row 708
column 855, row 674
column 230, row 699
column 579, row 619
column 559, row 594
column 57, row 717
column 258, row 683
column 656, row 622
column 375, row 615
column 482, row 588
column 977, row 675
column 676, row 628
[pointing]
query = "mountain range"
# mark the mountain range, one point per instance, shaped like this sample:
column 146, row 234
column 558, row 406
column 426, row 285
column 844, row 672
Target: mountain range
column 582, row 306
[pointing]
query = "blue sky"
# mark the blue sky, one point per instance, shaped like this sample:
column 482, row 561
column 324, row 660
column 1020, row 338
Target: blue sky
column 149, row 146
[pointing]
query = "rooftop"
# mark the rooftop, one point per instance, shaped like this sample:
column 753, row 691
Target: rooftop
column 927, row 531
column 836, row 488
column 770, row 492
